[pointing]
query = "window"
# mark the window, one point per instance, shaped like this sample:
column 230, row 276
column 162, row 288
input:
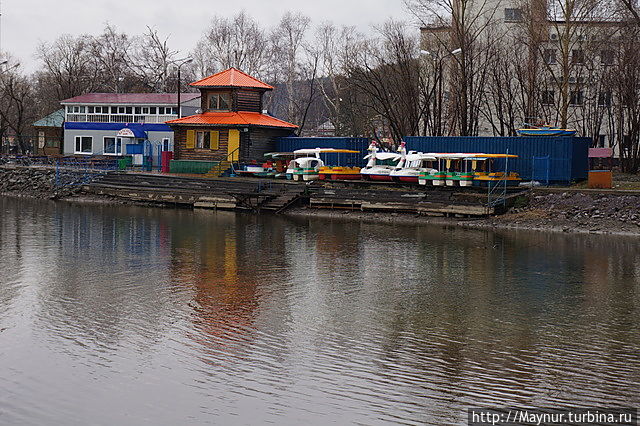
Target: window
column 83, row 145
column 513, row 15
column 114, row 110
column 152, row 110
column 90, row 110
column 145, row 110
column 601, row 141
column 174, row 110
column 41, row 139
column 548, row 97
column 112, row 146
column 577, row 56
column 607, row 57
column 166, row 144
column 219, row 102
column 604, row 99
column 549, row 56
column 138, row 110
column 576, row 97
column 202, row 140
column 161, row 110
column 129, row 110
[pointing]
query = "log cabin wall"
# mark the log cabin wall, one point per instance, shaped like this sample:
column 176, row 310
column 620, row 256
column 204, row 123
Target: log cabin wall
column 200, row 154
column 262, row 140
column 247, row 100
column 241, row 99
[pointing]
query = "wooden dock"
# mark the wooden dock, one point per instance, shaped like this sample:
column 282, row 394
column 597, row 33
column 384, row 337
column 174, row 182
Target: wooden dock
column 278, row 195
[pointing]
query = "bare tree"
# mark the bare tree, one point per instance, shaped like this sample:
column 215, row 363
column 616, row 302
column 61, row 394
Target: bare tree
column 153, row 61
column 69, row 66
column 337, row 48
column 293, row 61
column 111, row 52
column 626, row 89
column 468, row 26
column 17, row 103
column 238, row 42
column 386, row 73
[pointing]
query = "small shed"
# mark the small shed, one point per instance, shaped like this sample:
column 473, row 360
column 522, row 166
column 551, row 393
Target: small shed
column 50, row 133
column 231, row 127
column 548, row 159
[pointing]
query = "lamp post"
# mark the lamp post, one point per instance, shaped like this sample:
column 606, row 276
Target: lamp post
column 182, row 62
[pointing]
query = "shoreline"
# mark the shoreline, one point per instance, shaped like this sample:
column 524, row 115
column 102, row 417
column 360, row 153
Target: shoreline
column 503, row 222
column 557, row 210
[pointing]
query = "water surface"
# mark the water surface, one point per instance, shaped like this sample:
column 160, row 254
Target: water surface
column 124, row 315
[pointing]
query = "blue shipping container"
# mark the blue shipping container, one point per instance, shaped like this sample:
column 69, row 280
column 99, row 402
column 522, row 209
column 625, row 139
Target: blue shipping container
column 547, row 159
column 356, row 144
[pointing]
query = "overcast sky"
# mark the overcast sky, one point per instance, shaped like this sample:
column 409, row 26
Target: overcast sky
column 27, row 22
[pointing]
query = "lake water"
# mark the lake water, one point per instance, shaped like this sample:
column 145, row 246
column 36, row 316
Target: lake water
column 124, row 315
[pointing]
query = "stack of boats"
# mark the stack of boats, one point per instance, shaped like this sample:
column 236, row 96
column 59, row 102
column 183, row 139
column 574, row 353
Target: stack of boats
column 433, row 169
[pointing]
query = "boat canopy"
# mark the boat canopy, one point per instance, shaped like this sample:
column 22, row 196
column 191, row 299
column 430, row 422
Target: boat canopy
column 278, row 155
column 324, row 151
column 419, row 156
column 385, row 156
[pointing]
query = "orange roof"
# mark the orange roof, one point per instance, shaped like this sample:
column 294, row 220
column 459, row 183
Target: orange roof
column 241, row 118
column 231, row 78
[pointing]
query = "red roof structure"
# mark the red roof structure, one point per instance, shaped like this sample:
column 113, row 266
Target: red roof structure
column 240, row 118
column 231, row 78
column 131, row 98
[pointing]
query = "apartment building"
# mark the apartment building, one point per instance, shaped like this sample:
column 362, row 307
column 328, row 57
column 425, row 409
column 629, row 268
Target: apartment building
column 569, row 64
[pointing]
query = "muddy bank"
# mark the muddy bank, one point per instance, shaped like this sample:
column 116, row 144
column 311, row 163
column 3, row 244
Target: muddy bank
column 575, row 212
column 564, row 212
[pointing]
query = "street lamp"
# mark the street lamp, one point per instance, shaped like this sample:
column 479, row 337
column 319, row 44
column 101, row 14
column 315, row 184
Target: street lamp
column 182, row 62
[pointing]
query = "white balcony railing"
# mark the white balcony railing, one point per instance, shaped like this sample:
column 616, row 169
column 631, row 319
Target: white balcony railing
column 119, row 118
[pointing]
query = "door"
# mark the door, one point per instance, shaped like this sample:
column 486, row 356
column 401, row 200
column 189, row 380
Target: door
column 234, row 145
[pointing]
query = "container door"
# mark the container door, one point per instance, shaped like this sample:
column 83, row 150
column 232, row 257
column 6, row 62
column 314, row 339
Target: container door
column 234, row 144
column 541, row 169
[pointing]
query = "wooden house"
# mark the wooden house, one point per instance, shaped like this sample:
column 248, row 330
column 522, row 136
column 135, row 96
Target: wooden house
column 50, row 134
column 231, row 125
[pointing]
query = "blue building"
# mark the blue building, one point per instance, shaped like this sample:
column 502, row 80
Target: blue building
column 118, row 124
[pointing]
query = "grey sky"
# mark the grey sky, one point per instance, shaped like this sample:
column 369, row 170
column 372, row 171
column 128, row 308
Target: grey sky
column 27, row 22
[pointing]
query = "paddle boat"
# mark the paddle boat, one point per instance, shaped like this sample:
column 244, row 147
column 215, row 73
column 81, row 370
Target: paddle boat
column 380, row 164
column 436, row 176
column 412, row 166
column 544, row 131
column 486, row 176
column 457, row 168
column 279, row 163
column 339, row 172
column 305, row 165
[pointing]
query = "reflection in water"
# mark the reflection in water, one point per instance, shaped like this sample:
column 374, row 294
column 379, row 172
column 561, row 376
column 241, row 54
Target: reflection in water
column 119, row 315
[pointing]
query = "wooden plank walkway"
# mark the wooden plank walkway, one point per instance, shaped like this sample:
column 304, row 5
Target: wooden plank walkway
column 278, row 195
